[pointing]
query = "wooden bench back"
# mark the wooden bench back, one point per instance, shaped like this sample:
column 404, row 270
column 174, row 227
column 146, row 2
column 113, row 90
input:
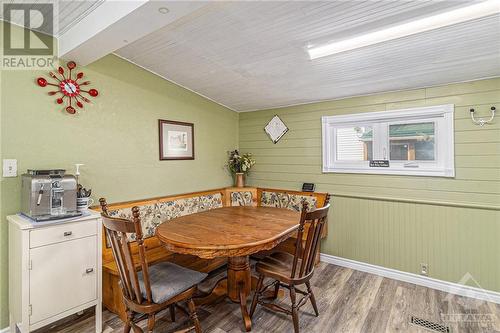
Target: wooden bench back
column 290, row 199
column 148, row 206
column 116, row 231
column 305, row 254
column 231, row 196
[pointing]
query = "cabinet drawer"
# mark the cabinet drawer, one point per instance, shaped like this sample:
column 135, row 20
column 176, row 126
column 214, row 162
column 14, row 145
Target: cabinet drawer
column 63, row 232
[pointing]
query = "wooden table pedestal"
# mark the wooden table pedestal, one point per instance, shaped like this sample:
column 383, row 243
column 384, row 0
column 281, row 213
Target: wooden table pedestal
column 239, row 285
column 235, row 233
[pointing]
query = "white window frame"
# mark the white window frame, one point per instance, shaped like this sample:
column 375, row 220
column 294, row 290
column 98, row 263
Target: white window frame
column 441, row 115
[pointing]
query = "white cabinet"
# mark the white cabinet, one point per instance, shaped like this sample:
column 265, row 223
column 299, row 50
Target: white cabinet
column 54, row 270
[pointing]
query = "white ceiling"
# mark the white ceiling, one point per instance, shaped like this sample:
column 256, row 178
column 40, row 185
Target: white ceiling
column 252, row 55
column 66, row 14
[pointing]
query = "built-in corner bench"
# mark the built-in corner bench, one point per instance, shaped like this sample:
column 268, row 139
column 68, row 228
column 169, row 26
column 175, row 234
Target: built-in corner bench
column 154, row 211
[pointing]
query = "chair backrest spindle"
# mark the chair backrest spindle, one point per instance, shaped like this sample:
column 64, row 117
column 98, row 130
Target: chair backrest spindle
column 116, row 231
column 142, row 252
column 305, row 254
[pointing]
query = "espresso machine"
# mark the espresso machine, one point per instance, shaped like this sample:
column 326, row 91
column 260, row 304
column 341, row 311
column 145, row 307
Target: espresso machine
column 49, row 195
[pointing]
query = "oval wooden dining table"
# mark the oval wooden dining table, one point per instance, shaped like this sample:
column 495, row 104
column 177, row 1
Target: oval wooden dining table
column 232, row 232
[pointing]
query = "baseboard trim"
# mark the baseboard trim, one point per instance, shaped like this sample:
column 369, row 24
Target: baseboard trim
column 449, row 287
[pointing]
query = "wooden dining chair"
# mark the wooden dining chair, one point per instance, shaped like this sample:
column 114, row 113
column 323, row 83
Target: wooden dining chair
column 290, row 271
column 147, row 290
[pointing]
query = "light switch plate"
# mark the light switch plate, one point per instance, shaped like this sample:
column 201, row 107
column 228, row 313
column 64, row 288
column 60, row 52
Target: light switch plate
column 9, row 168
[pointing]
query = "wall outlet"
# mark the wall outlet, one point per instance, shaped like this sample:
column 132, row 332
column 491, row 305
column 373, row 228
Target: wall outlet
column 424, row 269
column 9, row 168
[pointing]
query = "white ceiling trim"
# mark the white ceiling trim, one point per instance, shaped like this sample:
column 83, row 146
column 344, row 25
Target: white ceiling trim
column 169, row 80
column 78, row 43
column 80, row 17
column 65, row 13
column 115, row 24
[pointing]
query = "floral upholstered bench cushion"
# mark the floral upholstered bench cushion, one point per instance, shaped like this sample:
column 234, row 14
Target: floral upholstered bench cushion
column 241, row 198
column 286, row 200
column 153, row 214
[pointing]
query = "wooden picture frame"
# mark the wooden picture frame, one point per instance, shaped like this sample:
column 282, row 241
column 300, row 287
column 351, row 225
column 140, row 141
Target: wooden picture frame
column 176, row 140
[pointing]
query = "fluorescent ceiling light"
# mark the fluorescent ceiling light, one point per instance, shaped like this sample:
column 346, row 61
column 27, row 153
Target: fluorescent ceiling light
column 460, row 15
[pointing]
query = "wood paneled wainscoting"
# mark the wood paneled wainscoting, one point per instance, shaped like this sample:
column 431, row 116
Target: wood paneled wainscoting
column 459, row 244
column 398, row 222
column 154, row 211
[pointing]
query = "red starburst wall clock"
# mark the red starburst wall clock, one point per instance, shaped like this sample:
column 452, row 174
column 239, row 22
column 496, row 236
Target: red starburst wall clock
column 69, row 87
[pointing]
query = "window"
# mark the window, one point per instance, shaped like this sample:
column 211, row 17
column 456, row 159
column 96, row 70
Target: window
column 351, row 146
column 415, row 141
column 412, row 142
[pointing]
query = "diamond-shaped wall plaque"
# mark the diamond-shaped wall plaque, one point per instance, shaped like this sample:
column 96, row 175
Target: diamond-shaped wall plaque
column 275, row 128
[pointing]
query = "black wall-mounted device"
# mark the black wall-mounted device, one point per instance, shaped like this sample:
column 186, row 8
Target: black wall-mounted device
column 308, row 187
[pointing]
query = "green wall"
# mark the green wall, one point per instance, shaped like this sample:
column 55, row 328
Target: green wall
column 116, row 137
column 453, row 225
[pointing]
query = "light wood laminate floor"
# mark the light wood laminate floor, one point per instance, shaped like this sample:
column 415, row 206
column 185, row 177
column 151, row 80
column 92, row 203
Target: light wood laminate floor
column 348, row 301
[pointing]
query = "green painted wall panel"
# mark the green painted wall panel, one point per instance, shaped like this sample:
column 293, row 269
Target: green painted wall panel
column 116, row 137
column 453, row 241
column 405, row 232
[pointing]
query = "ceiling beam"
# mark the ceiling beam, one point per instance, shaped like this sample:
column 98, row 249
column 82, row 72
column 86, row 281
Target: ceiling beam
column 115, row 24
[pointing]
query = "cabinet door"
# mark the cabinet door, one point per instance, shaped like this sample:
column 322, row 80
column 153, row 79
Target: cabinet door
column 61, row 277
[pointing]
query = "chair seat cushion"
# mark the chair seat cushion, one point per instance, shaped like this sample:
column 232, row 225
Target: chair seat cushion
column 168, row 280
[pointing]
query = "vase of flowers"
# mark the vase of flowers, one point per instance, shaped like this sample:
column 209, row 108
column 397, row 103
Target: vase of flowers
column 239, row 165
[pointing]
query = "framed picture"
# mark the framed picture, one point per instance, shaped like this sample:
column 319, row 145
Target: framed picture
column 176, row 140
column 275, row 128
